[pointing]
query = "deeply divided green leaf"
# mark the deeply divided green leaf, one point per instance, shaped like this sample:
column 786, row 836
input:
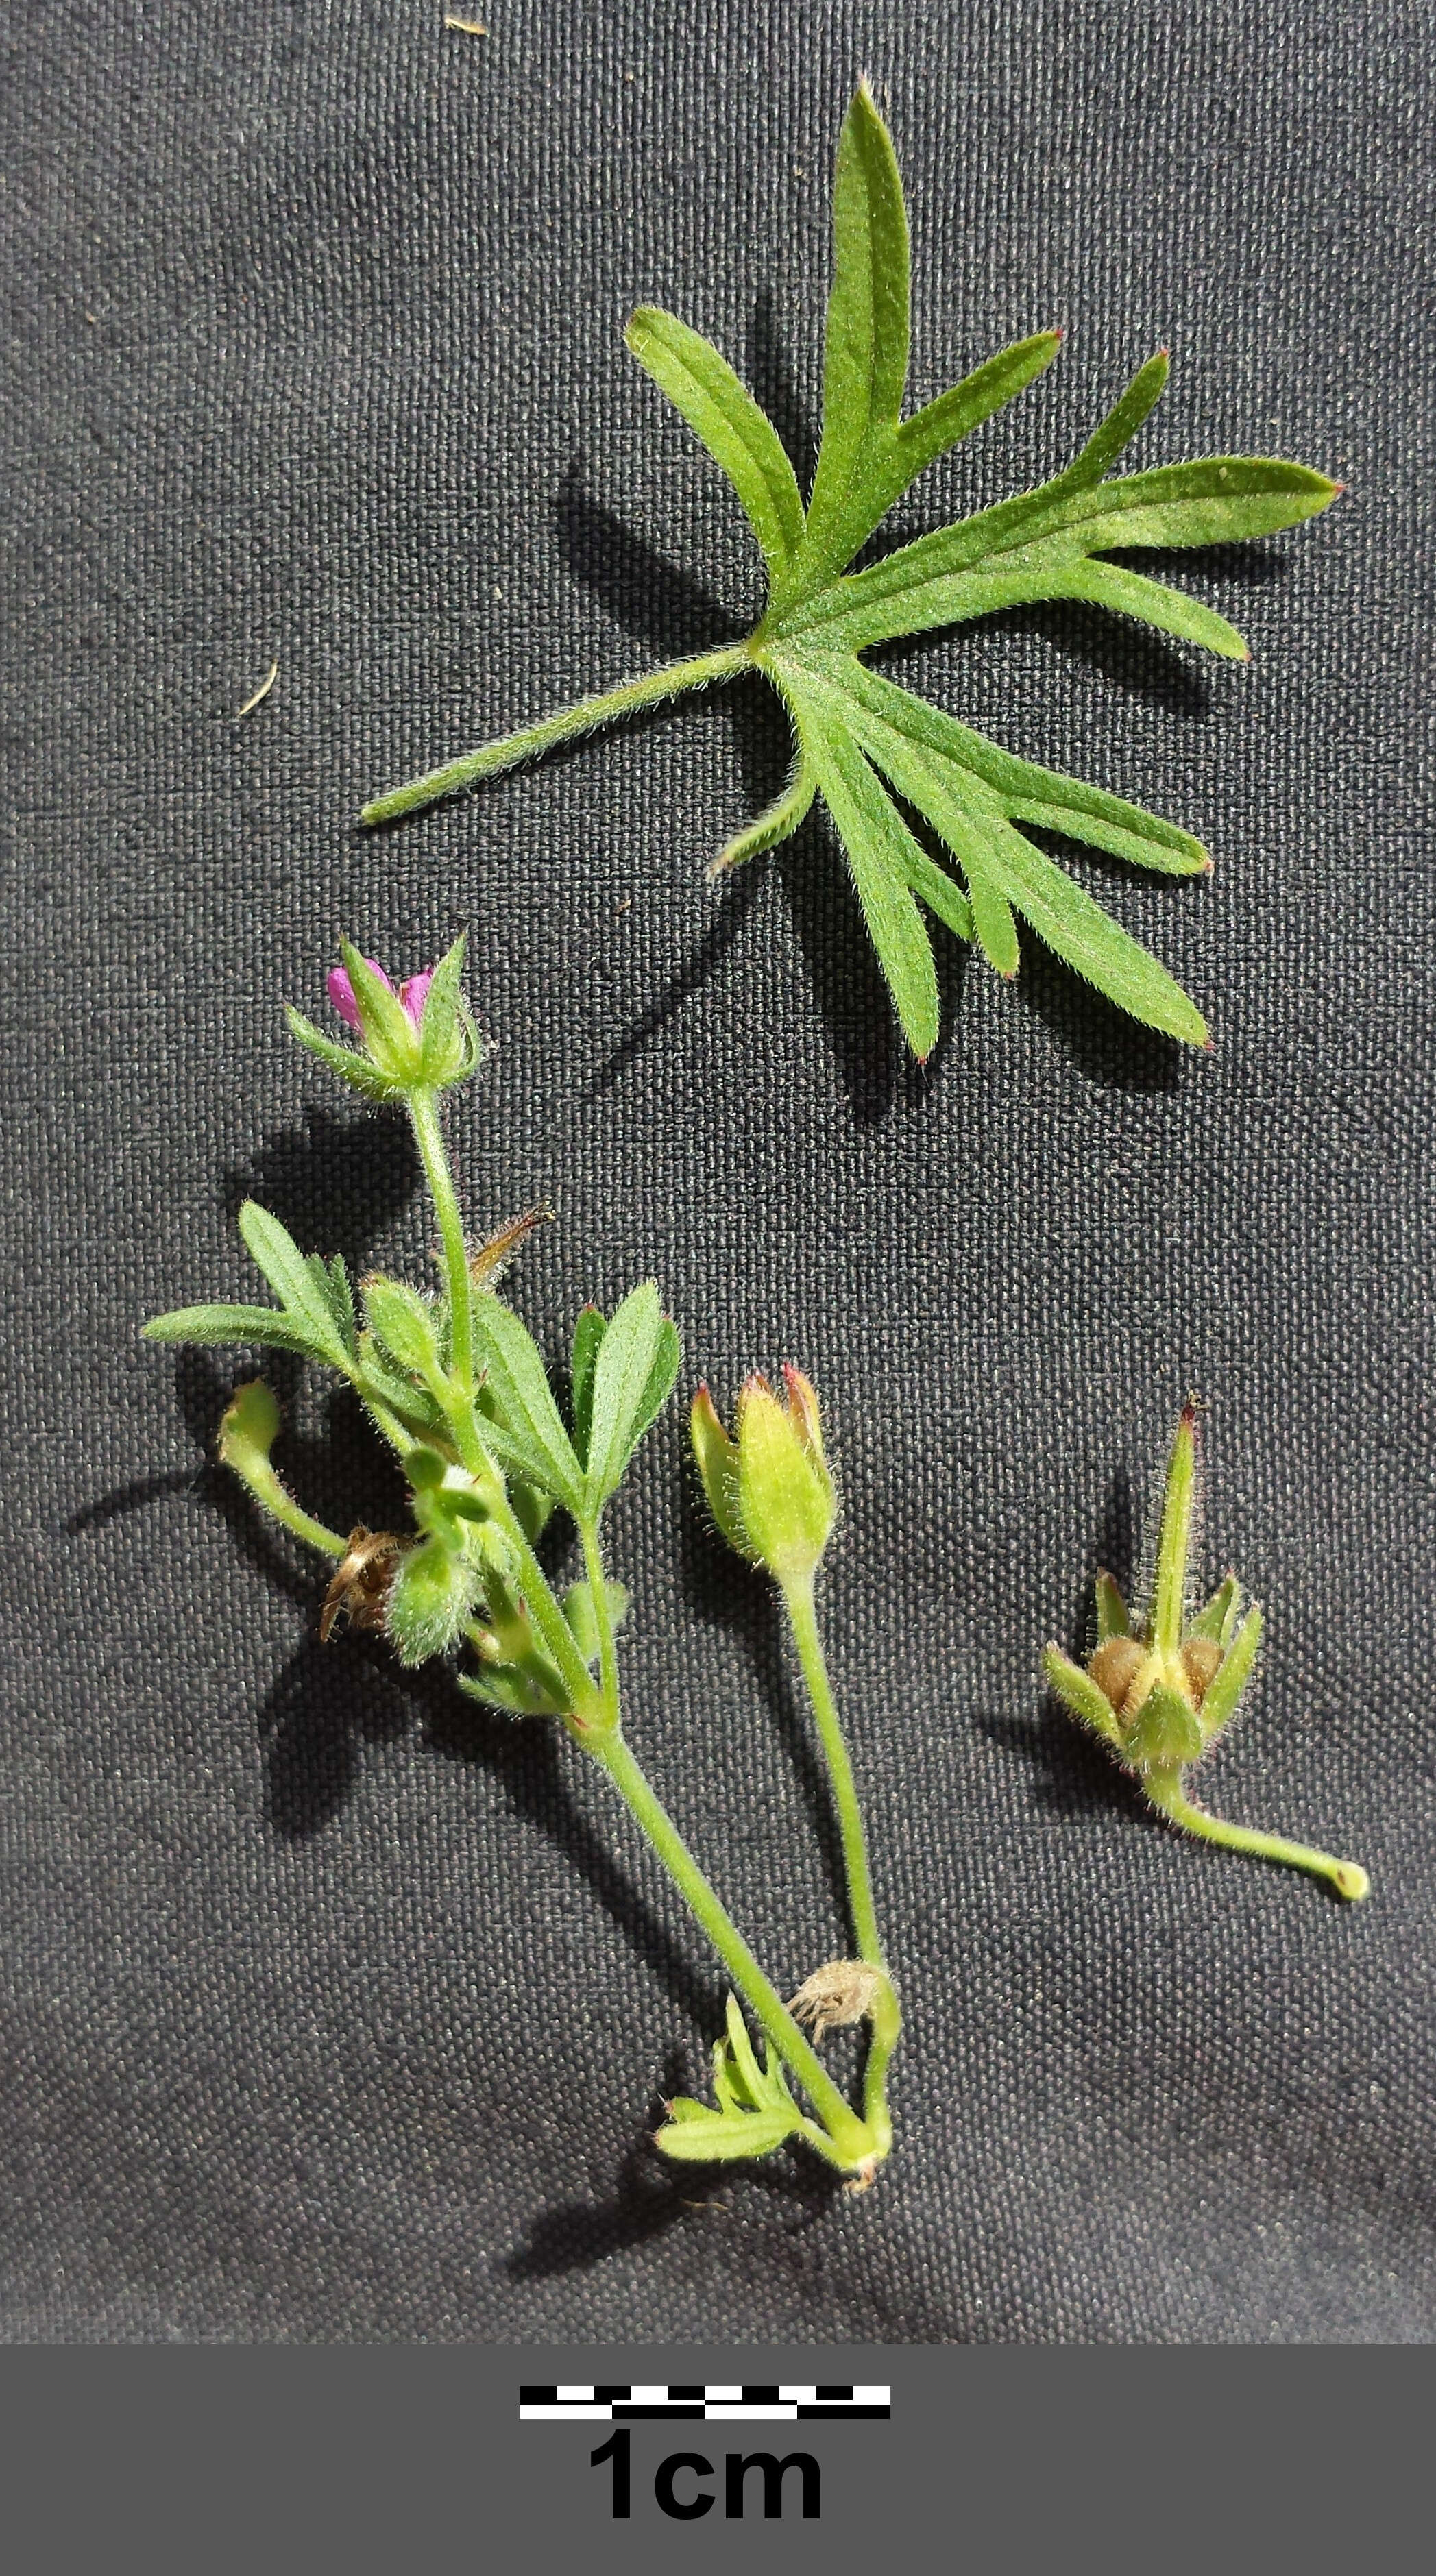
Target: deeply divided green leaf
column 714, row 2137
column 861, row 743
column 865, row 372
column 632, row 1375
column 700, row 383
column 529, row 1432
column 882, row 855
column 217, row 1325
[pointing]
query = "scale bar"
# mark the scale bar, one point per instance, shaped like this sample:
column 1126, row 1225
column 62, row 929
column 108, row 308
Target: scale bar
column 721, row 2403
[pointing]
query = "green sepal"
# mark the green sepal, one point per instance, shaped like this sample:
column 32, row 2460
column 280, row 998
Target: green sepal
column 456, row 1507
column 716, row 1454
column 346, row 1062
column 1081, row 1697
column 406, row 1324
column 1219, row 1617
column 385, row 1027
column 786, row 1502
column 578, row 1609
column 1164, row 1731
column 1112, row 1617
column 450, row 1048
column 1229, row 1681
column 431, row 1599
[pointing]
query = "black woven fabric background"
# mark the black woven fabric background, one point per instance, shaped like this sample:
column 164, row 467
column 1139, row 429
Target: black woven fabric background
column 335, row 2009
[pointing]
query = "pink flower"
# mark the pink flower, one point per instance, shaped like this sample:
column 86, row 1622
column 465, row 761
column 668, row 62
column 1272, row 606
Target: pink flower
column 413, row 993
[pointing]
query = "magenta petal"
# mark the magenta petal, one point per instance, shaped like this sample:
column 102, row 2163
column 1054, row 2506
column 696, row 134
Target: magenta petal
column 341, row 991
column 415, row 992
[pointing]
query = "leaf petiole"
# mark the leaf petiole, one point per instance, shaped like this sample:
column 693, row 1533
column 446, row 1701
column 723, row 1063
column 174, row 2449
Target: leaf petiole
column 511, row 748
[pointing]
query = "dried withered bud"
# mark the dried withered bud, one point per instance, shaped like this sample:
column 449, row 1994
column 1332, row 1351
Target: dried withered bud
column 361, row 1581
column 488, row 1264
column 833, row 1996
column 1115, row 1667
column 1201, row 1662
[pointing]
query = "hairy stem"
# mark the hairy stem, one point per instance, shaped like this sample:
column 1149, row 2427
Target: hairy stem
column 802, row 1617
column 885, row 2018
column 853, row 2144
column 511, row 748
column 598, row 1590
column 424, row 1117
column 281, row 1506
column 1168, row 1795
column 885, row 2029
column 589, row 1711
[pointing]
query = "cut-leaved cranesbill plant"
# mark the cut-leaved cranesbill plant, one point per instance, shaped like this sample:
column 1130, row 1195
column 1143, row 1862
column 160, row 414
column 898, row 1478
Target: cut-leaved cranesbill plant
column 456, row 1385
column 881, row 758
column 1160, row 1691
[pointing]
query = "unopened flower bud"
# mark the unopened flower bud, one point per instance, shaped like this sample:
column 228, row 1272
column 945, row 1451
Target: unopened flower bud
column 433, row 1592
column 420, row 1038
column 769, row 1489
